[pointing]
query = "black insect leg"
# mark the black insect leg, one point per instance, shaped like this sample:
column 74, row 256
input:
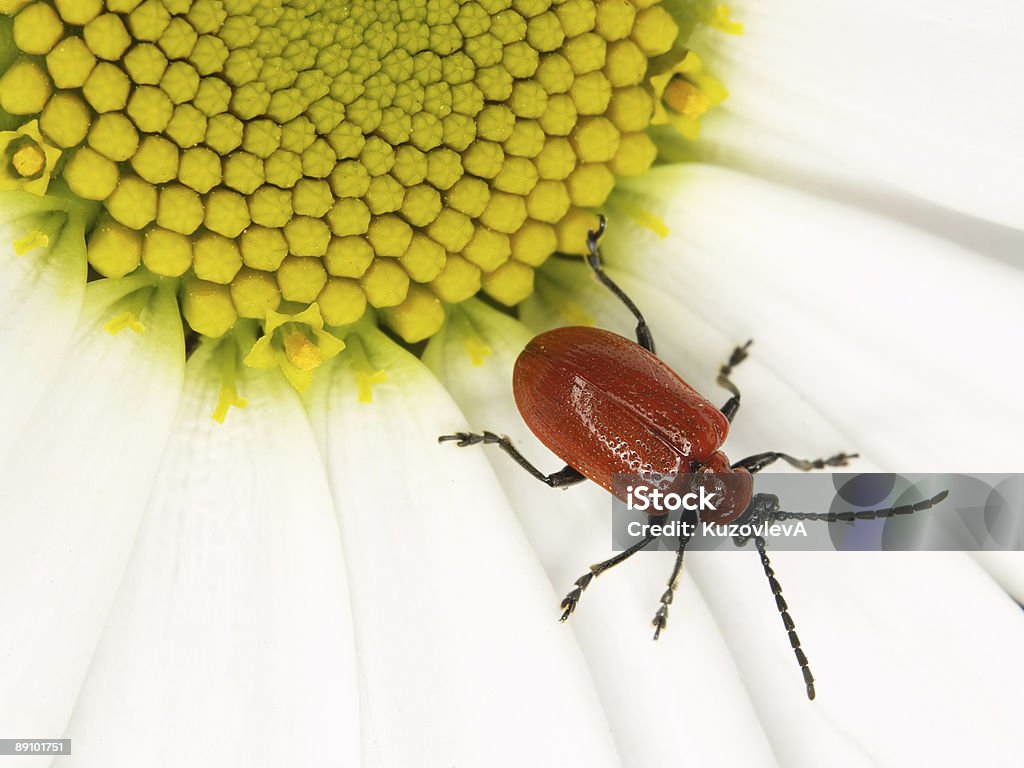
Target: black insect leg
column 759, row 461
column 571, row 599
column 643, row 332
column 739, row 354
column 661, row 617
column 787, row 620
column 561, row 479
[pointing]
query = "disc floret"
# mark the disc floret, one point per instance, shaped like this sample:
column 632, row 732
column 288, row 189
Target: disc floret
column 297, row 344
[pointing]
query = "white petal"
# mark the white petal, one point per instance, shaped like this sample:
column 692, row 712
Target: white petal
column 916, row 656
column 899, row 339
column 74, row 489
column 41, row 295
column 634, row 676
column 461, row 657
column 919, row 94
column 231, row 641
column 1007, row 568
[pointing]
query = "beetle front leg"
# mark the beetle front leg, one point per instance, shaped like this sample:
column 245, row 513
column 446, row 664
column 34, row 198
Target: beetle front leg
column 561, row 479
column 759, row 461
column 660, row 620
column 739, row 354
column 572, row 599
column 643, row 332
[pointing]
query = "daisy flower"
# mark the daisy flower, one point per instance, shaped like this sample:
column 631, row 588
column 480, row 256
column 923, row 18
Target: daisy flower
column 261, row 253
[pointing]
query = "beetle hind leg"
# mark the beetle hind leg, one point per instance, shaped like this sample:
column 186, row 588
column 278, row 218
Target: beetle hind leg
column 561, row 479
column 643, row 331
column 660, row 620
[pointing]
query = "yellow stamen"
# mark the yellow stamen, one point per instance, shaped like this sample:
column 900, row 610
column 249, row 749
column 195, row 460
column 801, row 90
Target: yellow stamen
column 629, row 205
column 367, row 377
column 301, row 352
column 131, row 316
column 227, row 395
column 721, row 20
column 31, row 241
column 686, row 98
column 29, row 160
column 126, row 319
column 477, row 350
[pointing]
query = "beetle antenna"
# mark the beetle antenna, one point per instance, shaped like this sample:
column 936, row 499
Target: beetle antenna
column 787, row 620
column 871, row 514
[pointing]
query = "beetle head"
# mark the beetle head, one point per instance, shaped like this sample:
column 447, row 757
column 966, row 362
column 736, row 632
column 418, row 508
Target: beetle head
column 762, row 509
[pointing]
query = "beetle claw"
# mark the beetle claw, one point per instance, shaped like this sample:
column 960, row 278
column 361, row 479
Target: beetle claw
column 569, row 604
column 660, row 621
column 463, row 439
column 841, row 459
column 572, row 599
column 470, row 438
column 739, row 354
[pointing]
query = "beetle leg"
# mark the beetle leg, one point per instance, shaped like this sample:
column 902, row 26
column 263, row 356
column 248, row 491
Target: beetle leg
column 787, row 620
column 643, row 332
column 571, row 599
column 661, row 617
column 739, row 354
column 759, row 461
column 560, row 479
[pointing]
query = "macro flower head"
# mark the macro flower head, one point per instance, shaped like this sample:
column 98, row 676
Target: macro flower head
column 262, row 253
column 278, row 157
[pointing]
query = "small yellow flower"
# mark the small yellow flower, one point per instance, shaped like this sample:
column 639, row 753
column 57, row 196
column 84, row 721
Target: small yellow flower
column 297, row 344
column 683, row 92
column 26, row 159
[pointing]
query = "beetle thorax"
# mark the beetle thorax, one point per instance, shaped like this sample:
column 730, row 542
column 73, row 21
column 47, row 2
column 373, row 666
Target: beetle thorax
column 734, row 488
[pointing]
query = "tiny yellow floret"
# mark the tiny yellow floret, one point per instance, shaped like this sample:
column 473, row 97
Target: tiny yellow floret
column 114, row 250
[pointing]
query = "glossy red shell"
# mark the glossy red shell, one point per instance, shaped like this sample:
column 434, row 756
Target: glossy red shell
column 606, row 405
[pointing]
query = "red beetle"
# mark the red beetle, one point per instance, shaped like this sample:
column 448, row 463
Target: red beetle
column 607, row 405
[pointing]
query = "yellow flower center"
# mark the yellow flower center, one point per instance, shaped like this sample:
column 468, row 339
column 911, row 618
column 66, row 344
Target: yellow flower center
column 276, row 155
